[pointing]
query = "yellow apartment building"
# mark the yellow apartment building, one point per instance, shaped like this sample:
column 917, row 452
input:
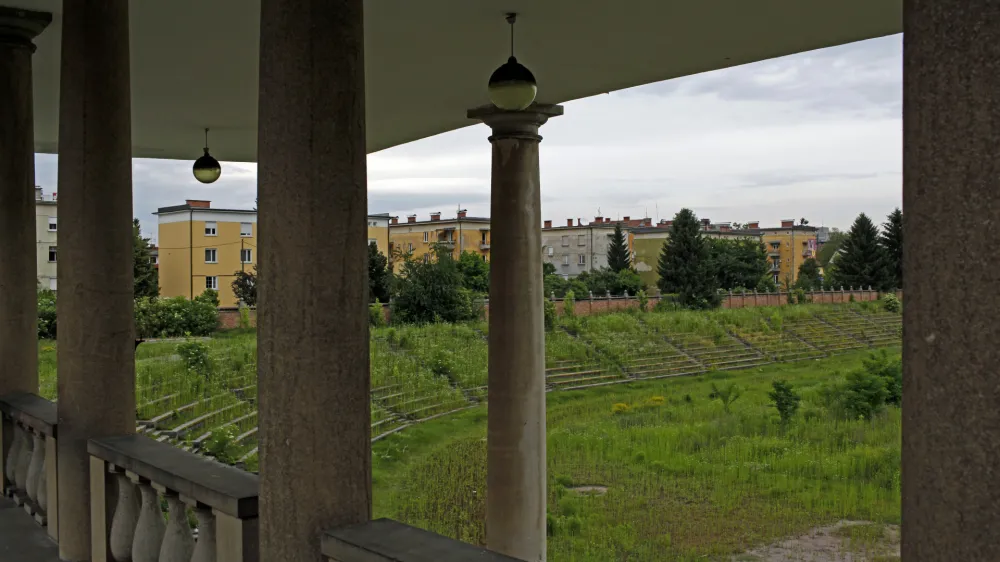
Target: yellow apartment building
column 201, row 247
column 460, row 234
column 787, row 247
column 648, row 244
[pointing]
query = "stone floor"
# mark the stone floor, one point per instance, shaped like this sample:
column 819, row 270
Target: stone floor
column 21, row 539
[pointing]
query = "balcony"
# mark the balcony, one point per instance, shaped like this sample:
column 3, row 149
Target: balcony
column 484, row 245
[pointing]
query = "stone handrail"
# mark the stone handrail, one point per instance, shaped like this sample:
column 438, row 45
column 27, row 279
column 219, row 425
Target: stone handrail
column 385, row 540
column 28, row 456
column 131, row 476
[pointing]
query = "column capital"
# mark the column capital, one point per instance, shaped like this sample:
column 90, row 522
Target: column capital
column 515, row 124
column 19, row 27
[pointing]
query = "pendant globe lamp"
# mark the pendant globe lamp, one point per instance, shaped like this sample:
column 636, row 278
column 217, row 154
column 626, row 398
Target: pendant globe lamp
column 207, row 169
column 512, row 86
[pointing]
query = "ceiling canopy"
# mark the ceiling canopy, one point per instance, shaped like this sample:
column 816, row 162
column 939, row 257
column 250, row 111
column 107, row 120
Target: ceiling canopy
column 194, row 62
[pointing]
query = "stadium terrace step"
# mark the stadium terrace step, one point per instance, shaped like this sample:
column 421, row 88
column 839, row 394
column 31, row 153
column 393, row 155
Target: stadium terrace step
column 574, row 374
column 572, row 381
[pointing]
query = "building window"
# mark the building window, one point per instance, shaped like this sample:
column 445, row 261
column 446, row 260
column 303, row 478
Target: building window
column 246, row 229
column 210, row 228
column 246, row 255
column 581, row 240
column 775, row 245
column 484, row 233
column 212, row 283
column 53, row 224
column 566, row 259
column 52, row 284
column 583, row 259
column 52, row 254
column 211, row 255
column 565, row 240
column 552, row 251
column 426, row 234
column 411, row 247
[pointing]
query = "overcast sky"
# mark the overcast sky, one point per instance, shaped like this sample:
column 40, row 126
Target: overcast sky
column 815, row 135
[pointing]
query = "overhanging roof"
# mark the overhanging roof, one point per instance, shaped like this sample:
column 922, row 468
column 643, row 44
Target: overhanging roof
column 194, row 62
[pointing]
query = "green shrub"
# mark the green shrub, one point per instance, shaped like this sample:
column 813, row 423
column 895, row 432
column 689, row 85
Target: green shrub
column 222, row 445
column 209, row 296
column 891, row 303
column 727, row 394
column 890, row 371
column 46, row 314
column 175, row 317
column 376, row 316
column 864, row 395
column 784, row 399
column 244, row 317
column 550, row 315
column 196, row 359
column 569, row 304
column 643, row 300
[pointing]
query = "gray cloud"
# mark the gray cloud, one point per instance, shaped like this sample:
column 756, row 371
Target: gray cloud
column 782, row 178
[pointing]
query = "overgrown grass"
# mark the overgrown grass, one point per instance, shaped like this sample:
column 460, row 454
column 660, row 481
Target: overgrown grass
column 684, row 480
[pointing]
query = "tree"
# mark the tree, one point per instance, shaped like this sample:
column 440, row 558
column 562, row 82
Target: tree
column 245, row 286
column 433, row 291
column 809, row 279
column 605, row 280
column 892, row 245
column 684, row 266
column 147, row 281
column 830, row 247
column 784, row 399
column 726, row 394
column 618, row 254
column 379, row 275
column 738, row 264
column 862, row 262
column 475, row 272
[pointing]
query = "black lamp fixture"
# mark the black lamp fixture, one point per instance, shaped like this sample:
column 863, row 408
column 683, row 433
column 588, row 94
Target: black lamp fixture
column 512, row 86
column 207, row 169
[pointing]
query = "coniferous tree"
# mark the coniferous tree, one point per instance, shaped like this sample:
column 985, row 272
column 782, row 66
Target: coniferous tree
column 147, row 279
column 809, row 279
column 862, row 260
column 892, row 244
column 618, row 255
column 379, row 275
column 685, row 267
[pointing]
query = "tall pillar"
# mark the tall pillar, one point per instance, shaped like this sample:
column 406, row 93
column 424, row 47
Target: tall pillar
column 96, row 345
column 315, row 418
column 951, row 360
column 18, row 282
column 515, row 438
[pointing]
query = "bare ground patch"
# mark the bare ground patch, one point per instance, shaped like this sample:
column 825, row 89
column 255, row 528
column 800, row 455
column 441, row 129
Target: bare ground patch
column 844, row 541
column 589, row 490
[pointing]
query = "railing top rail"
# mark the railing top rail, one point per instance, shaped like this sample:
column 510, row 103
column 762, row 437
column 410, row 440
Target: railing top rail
column 385, row 540
column 31, row 410
column 225, row 488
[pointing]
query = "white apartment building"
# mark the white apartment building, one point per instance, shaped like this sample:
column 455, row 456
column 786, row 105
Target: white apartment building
column 46, row 235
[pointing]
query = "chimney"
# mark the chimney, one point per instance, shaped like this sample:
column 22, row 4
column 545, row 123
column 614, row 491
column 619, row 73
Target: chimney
column 198, row 203
column 706, row 222
column 55, row 195
column 394, row 220
column 753, row 225
column 38, row 194
column 625, row 218
column 724, row 227
column 598, row 220
column 436, row 216
column 569, row 222
column 463, row 213
column 607, row 220
column 411, row 218
column 548, row 224
column 787, row 223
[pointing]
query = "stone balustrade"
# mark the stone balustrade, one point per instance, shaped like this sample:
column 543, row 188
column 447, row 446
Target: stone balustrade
column 385, row 540
column 28, row 456
column 145, row 495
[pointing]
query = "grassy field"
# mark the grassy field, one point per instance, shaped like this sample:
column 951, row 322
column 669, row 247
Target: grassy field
column 669, row 476
column 649, row 470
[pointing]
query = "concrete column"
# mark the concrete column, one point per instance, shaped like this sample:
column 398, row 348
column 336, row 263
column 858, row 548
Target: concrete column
column 515, row 442
column 951, row 360
column 315, row 462
column 96, row 345
column 18, row 283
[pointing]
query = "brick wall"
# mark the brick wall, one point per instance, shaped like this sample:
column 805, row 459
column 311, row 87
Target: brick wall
column 229, row 318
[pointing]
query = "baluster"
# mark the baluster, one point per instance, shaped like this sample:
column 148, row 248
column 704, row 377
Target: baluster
column 42, row 491
column 178, row 544
column 204, row 549
column 125, row 519
column 35, row 466
column 23, row 460
column 150, row 528
column 10, row 465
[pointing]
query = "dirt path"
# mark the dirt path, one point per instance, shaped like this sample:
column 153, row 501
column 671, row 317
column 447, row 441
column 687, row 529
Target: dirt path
column 845, row 541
